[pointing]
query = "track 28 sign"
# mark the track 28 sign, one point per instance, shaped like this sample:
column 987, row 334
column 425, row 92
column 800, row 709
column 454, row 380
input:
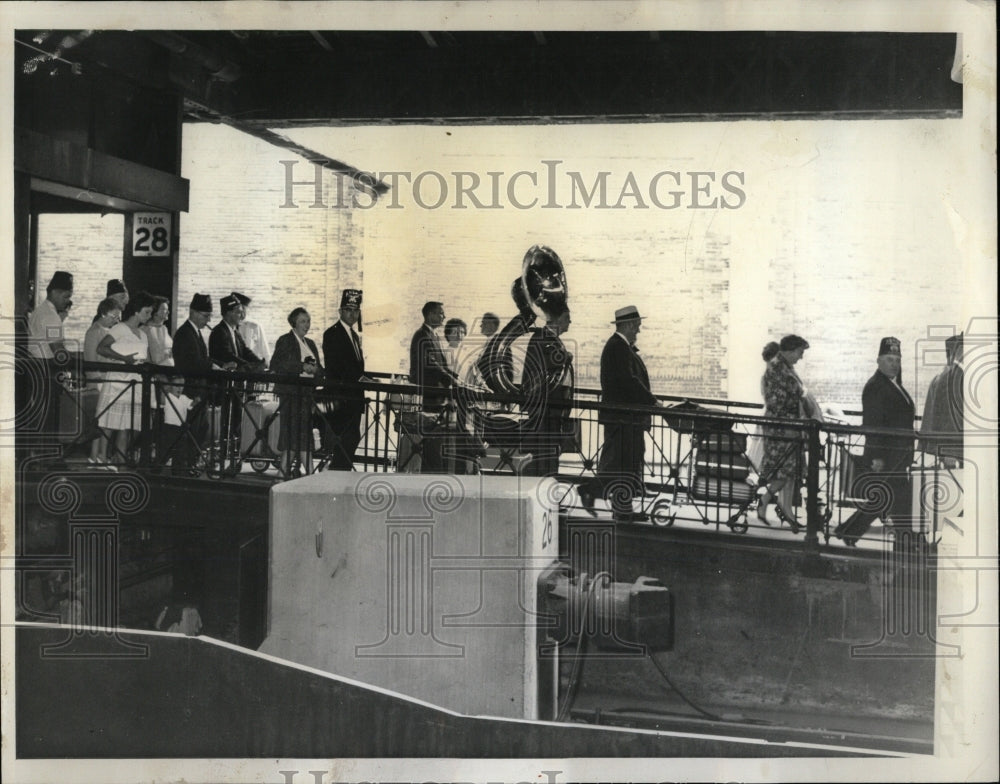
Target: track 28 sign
column 151, row 234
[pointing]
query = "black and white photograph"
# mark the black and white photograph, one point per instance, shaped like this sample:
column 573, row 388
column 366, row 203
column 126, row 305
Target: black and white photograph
column 499, row 391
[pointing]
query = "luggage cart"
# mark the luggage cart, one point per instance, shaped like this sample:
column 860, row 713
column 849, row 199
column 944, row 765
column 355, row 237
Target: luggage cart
column 716, row 476
column 709, row 465
column 259, row 434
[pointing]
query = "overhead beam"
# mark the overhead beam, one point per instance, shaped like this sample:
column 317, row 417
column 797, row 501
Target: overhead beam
column 88, row 176
column 609, row 79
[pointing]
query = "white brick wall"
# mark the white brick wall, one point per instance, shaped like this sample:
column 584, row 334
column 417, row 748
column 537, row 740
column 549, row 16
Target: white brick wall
column 844, row 238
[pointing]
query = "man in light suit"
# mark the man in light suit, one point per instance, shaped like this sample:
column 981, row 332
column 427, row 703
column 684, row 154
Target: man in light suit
column 227, row 348
column 944, row 408
column 191, row 356
column 624, row 381
column 345, row 362
column 885, row 404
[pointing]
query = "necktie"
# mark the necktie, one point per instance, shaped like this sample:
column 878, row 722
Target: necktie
column 356, row 341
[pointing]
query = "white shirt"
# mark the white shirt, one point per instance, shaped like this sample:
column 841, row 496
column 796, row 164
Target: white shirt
column 44, row 327
column 253, row 336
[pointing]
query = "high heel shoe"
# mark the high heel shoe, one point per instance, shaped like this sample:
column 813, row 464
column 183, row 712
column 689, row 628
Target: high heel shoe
column 762, row 514
column 784, row 517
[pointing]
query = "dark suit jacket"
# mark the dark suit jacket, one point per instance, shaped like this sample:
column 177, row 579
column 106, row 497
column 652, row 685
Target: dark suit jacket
column 429, row 367
column 224, row 347
column 624, row 380
column 342, row 361
column 287, row 360
column 883, row 405
column 191, row 356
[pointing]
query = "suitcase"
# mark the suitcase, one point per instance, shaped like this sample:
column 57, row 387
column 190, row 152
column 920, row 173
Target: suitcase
column 260, row 429
column 722, row 456
column 723, row 491
column 77, row 409
column 732, row 467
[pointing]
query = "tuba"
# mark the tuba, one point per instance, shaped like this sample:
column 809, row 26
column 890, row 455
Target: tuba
column 540, row 290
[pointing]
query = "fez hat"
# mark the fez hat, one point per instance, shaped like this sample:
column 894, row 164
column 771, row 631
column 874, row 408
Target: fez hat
column 229, row 302
column 243, row 298
column 351, row 298
column 116, row 286
column 628, row 313
column 201, row 303
column 61, row 280
column 889, row 346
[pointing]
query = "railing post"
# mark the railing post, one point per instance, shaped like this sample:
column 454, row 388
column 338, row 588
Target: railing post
column 146, row 421
column 812, row 489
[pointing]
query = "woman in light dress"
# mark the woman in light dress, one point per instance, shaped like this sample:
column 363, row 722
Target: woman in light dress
column 161, row 352
column 109, row 313
column 119, row 405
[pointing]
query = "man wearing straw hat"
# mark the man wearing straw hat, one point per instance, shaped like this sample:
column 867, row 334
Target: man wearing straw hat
column 624, row 381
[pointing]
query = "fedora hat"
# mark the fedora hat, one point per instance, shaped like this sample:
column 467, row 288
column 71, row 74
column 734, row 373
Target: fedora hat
column 628, row 313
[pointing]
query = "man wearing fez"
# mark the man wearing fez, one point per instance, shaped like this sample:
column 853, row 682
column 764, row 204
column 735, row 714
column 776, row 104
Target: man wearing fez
column 253, row 333
column 345, row 362
column 47, row 343
column 944, row 408
column 118, row 292
column 191, row 357
column 885, row 483
column 624, row 381
column 227, row 348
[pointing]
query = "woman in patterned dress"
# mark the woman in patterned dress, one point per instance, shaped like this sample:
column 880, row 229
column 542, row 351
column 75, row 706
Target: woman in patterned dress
column 783, row 392
column 119, row 405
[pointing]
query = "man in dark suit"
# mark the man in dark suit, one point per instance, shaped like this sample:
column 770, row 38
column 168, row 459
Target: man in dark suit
column 428, row 363
column 624, row 381
column 429, row 370
column 345, row 362
column 885, row 482
column 227, row 348
column 190, row 357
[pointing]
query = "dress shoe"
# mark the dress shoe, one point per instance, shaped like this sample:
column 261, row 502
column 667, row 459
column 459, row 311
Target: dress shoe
column 786, row 518
column 762, row 514
column 587, row 499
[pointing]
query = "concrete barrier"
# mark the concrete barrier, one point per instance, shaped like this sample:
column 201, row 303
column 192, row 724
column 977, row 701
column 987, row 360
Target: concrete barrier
column 423, row 584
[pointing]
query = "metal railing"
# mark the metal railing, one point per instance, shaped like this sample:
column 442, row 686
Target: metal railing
column 702, row 462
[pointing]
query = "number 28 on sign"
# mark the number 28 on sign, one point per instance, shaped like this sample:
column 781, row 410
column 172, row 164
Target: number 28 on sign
column 151, row 234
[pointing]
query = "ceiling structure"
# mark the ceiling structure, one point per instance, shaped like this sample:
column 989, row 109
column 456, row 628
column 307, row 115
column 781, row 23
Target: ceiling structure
column 262, row 82
column 279, row 79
